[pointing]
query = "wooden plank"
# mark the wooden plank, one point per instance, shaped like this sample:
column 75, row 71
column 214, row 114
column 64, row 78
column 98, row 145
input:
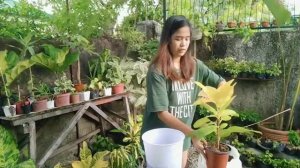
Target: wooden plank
column 74, row 143
column 92, row 116
column 49, row 114
column 34, row 116
column 126, row 106
column 32, row 140
column 114, row 113
column 63, row 135
column 106, row 117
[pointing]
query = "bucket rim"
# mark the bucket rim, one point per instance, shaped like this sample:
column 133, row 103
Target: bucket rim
column 169, row 144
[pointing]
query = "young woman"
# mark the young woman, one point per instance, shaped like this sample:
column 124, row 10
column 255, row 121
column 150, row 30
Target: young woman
column 171, row 91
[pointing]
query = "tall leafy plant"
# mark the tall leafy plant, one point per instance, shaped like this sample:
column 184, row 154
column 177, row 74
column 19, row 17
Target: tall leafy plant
column 217, row 102
column 55, row 59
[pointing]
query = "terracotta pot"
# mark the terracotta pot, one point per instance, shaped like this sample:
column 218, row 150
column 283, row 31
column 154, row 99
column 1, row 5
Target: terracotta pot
column 39, row 105
column 62, row 100
column 75, row 98
column 253, row 25
column 241, row 24
column 216, row 159
column 119, row 88
column 231, row 24
column 79, row 87
column 265, row 24
column 19, row 107
column 273, row 134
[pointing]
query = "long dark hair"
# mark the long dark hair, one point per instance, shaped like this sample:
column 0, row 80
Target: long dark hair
column 163, row 59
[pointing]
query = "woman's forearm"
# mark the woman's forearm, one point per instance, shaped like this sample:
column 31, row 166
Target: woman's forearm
column 174, row 122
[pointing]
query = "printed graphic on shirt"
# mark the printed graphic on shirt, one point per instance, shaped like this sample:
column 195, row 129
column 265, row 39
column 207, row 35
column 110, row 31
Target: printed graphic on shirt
column 182, row 104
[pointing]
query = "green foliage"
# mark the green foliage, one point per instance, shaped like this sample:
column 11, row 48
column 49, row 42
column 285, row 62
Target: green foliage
column 56, row 60
column 294, row 138
column 133, row 38
column 87, row 160
column 21, row 19
column 63, row 85
column 279, row 11
column 244, row 33
column 249, row 116
column 95, row 84
column 42, row 91
column 128, row 156
column 135, row 75
column 9, row 154
column 103, row 144
column 87, row 18
column 114, row 73
column 148, row 50
column 217, row 101
column 98, row 67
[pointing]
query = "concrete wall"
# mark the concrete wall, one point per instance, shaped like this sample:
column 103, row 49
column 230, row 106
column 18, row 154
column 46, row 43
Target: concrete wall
column 262, row 96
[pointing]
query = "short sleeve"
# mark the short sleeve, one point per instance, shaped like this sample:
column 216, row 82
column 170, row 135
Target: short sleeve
column 157, row 96
column 209, row 77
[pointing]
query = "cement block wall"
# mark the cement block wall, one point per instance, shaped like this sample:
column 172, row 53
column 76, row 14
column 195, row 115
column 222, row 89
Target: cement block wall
column 264, row 47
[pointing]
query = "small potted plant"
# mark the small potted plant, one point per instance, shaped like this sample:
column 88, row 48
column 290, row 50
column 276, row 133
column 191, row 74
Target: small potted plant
column 62, row 89
column 217, row 101
column 253, row 25
column 231, row 24
column 265, row 23
column 41, row 93
column 115, row 75
column 95, row 87
column 107, row 91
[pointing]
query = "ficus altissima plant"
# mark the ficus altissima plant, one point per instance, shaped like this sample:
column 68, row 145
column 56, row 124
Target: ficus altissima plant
column 217, row 102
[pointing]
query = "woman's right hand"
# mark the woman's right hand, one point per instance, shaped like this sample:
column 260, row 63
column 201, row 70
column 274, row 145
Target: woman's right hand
column 199, row 145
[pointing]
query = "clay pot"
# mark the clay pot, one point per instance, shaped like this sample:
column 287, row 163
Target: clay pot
column 231, row 24
column 253, row 25
column 216, row 159
column 19, row 107
column 241, row 24
column 119, row 88
column 62, row 100
column 39, row 105
column 265, row 24
column 273, row 134
column 75, row 98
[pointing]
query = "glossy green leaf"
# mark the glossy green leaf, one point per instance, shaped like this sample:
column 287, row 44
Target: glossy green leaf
column 279, row 11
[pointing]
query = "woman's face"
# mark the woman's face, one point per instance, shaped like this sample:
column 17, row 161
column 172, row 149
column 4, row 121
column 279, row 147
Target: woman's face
column 180, row 42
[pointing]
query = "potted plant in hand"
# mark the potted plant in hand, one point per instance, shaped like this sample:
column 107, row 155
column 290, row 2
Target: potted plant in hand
column 62, row 89
column 217, row 101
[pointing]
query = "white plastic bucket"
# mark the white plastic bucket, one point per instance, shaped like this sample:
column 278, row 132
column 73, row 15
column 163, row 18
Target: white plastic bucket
column 163, row 148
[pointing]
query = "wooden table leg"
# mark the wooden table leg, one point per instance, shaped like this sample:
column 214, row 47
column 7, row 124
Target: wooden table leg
column 32, row 140
column 126, row 105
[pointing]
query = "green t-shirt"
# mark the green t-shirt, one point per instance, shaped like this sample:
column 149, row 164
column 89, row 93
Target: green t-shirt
column 175, row 97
